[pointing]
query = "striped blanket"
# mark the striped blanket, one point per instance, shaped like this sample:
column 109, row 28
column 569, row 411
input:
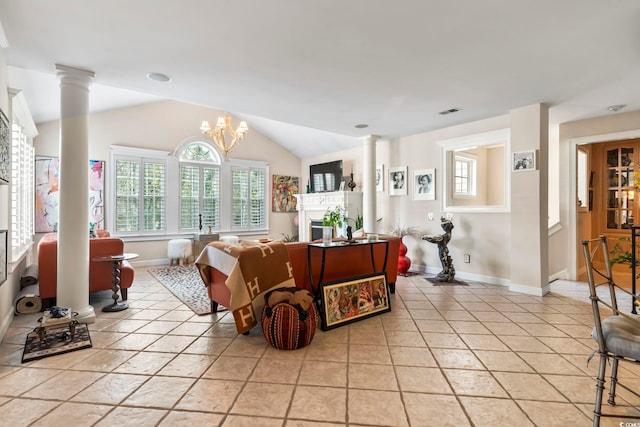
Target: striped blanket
column 252, row 269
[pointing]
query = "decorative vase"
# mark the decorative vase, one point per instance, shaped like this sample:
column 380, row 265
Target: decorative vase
column 404, row 263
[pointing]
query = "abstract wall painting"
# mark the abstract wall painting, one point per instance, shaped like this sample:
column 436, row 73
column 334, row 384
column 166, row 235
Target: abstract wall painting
column 47, row 181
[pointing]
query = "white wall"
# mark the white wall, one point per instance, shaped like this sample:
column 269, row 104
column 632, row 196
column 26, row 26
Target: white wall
column 484, row 236
column 163, row 126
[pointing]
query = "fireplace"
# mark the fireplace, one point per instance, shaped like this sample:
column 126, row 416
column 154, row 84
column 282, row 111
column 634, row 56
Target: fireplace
column 312, row 206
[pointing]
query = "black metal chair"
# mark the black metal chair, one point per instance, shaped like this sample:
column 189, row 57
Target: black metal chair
column 617, row 333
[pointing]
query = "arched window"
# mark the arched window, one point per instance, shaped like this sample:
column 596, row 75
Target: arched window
column 199, row 187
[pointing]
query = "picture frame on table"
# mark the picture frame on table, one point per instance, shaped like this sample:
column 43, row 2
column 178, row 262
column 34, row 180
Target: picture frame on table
column 424, row 184
column 4, row 241
column 398, row 181
column 524, row 161
column 5, row 149
column 346, row 301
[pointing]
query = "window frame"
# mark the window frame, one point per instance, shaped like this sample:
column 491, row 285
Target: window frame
column 173, row 191
column 22, row 222
column 142, row 157
column 471, row 176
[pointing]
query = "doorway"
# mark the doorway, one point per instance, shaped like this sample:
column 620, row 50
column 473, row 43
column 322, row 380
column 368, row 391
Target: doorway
column 609, row 184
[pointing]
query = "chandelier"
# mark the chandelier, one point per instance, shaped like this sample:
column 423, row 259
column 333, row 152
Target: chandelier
column 219, row 136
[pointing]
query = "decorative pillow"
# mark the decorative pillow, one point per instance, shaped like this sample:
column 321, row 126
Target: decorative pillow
column 289, row 318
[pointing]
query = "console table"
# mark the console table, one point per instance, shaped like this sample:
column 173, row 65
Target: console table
column 349, row 297
column 341, row 246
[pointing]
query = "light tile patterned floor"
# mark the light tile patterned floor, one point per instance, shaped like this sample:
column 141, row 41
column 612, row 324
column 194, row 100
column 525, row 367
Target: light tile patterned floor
column 474, row 355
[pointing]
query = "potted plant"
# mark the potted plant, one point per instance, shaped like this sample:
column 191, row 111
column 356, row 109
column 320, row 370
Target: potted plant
column 332, row 219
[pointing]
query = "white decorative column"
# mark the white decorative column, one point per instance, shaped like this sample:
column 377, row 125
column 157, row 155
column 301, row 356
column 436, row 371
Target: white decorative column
column 369, row 200
column 73, row 224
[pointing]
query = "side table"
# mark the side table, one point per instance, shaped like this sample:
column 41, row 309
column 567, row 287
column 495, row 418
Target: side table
column 202, row 240
column 116, row 261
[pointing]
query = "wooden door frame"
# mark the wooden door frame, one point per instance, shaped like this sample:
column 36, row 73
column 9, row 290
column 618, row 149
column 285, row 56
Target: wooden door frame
column 574, row 245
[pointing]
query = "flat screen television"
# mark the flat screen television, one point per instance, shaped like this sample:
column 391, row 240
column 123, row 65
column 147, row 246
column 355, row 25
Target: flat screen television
column 325, row 176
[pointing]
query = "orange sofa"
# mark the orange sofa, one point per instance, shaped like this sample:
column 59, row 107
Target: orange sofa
column 339, row 264
column 100, row 273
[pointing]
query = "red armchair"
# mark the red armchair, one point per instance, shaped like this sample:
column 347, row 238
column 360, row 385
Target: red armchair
column 100, row 273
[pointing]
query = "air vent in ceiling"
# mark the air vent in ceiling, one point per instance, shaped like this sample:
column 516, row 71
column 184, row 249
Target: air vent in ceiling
column 449, row 111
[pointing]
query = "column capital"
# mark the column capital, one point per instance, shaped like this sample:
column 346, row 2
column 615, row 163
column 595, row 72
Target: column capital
column 73, row 75
column 369, row 138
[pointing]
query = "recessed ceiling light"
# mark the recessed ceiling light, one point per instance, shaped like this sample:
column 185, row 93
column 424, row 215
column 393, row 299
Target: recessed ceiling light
column 158, row 77
column 614, row 108
column 449, row 111
column 362, row 126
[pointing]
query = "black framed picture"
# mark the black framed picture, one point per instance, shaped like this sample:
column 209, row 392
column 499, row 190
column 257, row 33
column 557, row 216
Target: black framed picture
column 347, row 301
column 5, row 149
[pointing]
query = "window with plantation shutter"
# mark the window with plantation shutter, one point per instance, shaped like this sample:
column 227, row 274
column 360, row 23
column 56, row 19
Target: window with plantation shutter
column 139, row 195
column 248, row 204
column 22, row 188
column 21, row 130
column 199, row 195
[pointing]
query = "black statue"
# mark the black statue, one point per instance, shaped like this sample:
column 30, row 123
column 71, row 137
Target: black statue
column 448, row 272
column 350, row 235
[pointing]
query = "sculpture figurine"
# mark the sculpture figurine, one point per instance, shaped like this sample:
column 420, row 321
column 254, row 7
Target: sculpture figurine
column 448, row 272
column 351, row 184
column 350, row 235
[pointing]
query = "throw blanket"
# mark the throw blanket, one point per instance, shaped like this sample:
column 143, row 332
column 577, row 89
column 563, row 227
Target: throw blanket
column 252, row 269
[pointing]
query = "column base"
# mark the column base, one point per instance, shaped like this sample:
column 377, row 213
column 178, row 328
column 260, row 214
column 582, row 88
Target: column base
column 86, row 315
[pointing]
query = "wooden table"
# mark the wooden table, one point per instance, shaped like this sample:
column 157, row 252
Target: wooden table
column 116, row 261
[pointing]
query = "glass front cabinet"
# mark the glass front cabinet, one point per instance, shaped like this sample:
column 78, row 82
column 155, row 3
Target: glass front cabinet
column 620, row 203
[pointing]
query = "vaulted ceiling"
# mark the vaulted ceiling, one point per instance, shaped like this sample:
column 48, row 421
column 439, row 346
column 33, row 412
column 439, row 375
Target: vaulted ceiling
column 305, row 73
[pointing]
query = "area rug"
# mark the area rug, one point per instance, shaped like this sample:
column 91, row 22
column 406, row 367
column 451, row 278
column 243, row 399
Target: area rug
column 452, row 283
column 56, row 342
column 185, row 283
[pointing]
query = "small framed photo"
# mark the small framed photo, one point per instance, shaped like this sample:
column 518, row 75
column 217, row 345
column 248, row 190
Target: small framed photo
column 4, row 239
column 398, row 181
column 380, row 178
column 348, row 301
column 524, row 161
column 424, row 184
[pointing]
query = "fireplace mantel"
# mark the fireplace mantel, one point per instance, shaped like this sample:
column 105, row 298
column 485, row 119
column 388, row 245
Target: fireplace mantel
column 312, row 206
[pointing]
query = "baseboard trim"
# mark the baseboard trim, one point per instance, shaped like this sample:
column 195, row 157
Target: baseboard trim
column 149, row 262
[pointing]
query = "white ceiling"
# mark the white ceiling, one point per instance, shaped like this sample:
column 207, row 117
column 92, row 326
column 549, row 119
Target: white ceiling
column 304, row 73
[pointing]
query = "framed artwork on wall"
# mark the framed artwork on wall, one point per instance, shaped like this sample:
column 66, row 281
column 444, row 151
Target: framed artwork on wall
column 47, row 171
column 424, row 184
column 524, row 161
column 347, row 301
column 5, row 150
column 284, row 188
column 398, row 181
column 4, row 241
column 380, row 178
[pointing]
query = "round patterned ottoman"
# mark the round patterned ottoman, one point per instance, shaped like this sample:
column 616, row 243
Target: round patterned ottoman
column 289, row 318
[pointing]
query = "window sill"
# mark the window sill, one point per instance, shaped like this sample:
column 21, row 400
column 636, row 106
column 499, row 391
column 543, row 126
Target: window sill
column 158, row 237
column 18, row 258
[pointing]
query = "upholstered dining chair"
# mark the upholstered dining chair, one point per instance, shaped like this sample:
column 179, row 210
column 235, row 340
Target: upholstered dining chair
column 616, row 332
